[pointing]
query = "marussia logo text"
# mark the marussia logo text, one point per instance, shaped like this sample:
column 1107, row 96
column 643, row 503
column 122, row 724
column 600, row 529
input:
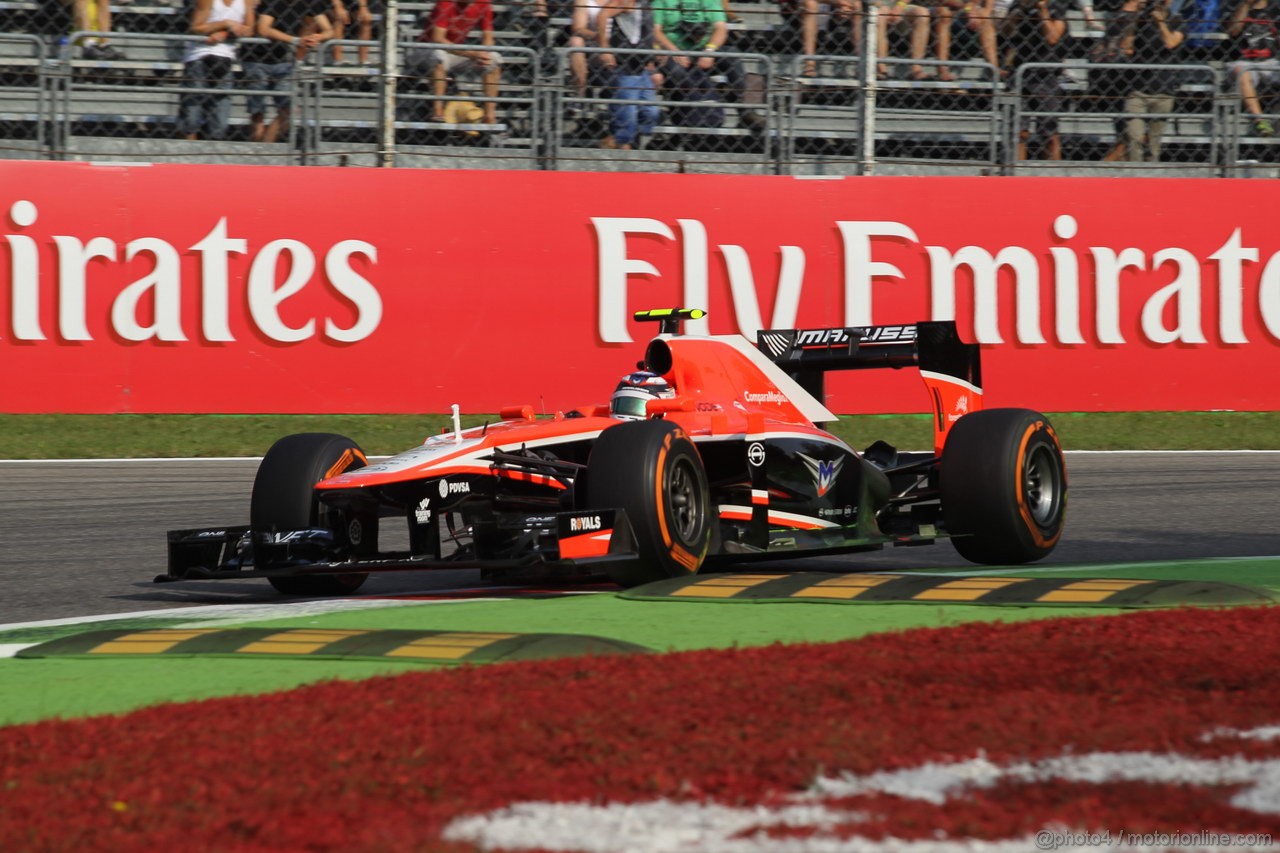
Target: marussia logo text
column 872, row 335
column 150, row 307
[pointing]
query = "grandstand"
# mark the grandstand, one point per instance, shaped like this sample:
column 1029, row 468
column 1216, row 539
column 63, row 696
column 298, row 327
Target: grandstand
column 842, row 119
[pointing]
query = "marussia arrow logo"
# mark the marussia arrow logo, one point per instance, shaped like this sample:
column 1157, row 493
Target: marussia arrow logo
column 824, row 473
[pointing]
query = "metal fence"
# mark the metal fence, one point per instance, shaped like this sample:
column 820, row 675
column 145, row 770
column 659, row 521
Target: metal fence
column 766, row 107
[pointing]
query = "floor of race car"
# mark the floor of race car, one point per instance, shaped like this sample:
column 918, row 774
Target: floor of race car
column 115, row 665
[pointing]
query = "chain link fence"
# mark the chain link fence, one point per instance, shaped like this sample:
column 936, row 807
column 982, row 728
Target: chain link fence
column 790, row 91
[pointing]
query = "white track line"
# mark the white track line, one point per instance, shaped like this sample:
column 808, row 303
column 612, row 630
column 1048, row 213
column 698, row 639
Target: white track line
column 218, row 613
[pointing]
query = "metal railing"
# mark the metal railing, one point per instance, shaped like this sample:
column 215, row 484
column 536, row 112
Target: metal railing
column 734, row 117
column 1182, row 118
column 789, row 115
column 25, row 90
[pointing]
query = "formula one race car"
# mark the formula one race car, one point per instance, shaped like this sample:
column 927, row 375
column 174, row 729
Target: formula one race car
column 709, row 454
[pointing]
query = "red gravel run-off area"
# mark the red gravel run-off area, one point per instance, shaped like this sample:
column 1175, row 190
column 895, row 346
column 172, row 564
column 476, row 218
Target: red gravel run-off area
column 385, row 764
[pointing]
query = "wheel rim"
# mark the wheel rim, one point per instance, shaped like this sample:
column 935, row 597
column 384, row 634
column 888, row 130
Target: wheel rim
column 684, row 500
column 1040, row 485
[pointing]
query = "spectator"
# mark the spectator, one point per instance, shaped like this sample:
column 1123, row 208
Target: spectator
column 698, row 25
column 626, row 26
column 344, row 13
column 800, row 31
column 1035, row 32
column 909, row 20
column 1253, row 26
column 805, row 35
column 1204, row 27
column 93, row 16
column 269, row 67
column 450, row 22
column 207, row 65
column 586, row 69
column 1151, row 37
column 1090, row 16
column 970, row 25
column 842, row 33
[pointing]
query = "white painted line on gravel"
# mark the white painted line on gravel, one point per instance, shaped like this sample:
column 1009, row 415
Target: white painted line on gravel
column 828, row 825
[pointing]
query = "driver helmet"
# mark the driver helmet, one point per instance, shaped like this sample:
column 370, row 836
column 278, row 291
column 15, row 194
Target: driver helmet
column 634, row 393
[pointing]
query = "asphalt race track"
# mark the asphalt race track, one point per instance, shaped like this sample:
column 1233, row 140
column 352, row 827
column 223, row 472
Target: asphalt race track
column 86, row 538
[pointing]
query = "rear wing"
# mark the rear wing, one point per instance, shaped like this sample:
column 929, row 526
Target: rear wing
column 951, row 369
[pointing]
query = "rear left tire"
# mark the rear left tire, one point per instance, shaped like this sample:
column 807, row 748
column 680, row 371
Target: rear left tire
column 1003, row 484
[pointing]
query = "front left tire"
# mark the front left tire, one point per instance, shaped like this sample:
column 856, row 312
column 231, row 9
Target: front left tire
column 652, row 470
column 284, row 499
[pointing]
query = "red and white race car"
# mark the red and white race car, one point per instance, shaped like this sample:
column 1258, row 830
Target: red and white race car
column 711, row 452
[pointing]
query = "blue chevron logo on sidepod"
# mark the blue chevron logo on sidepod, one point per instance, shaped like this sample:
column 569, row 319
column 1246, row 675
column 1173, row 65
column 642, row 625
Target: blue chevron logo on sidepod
column 824, row 473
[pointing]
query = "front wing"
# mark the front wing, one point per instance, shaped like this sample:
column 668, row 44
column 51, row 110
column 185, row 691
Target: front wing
column 572, row 543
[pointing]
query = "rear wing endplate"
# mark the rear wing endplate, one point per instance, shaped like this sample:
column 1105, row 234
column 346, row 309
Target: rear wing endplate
column 951, row 369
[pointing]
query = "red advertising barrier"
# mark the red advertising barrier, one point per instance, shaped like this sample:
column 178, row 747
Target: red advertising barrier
column 283, row 289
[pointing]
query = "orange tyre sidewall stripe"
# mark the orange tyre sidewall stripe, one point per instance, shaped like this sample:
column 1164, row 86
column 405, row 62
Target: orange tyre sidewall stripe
column 1023, row 510
column 659, row 470
column 675, row 549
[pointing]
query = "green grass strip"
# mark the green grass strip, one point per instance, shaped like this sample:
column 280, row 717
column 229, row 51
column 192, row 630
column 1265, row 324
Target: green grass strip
column 111, row 436
column 38, row 689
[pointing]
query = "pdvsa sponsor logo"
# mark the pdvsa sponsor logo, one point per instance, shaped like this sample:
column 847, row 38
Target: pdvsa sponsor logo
column 582, row 524
column 456, row 488
column 151, row 306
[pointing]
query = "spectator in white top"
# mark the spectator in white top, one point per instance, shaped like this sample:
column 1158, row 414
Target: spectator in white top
column 207, row 65
column 586, row 69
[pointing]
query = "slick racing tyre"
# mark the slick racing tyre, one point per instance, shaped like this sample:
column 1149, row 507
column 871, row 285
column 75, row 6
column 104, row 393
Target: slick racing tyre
column 1003, row 485
column 652, row 470
column 284, row 499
